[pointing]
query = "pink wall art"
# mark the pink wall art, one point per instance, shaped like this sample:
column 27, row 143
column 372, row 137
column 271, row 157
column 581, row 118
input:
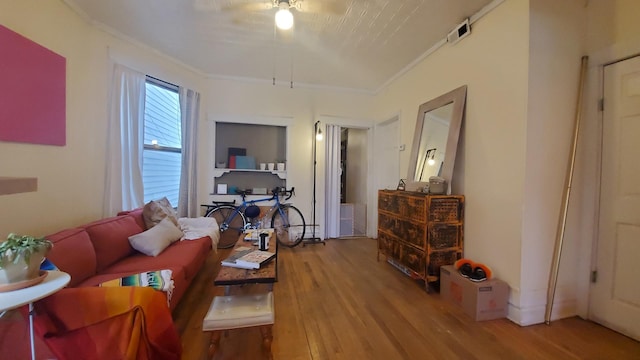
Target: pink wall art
column 33, row 92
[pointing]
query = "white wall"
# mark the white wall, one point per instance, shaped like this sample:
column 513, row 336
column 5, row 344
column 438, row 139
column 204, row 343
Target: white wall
column 557, row 33
column 490, row 169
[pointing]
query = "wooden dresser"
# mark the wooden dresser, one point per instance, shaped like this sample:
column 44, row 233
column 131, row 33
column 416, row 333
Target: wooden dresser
column 419, row 232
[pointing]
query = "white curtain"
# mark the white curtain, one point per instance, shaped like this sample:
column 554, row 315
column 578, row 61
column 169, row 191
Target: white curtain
column 332, row 184
column 123, row 178
column 189, row 109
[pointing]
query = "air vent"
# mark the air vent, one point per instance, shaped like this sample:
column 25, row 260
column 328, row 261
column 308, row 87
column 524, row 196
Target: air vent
column 459, row 32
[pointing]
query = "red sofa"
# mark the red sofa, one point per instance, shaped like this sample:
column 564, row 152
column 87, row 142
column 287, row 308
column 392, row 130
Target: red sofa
column 87, row 321
column 100, row 251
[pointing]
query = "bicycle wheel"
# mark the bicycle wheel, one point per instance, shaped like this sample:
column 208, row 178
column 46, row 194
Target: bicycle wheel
column 231, row 223
column 289, row 225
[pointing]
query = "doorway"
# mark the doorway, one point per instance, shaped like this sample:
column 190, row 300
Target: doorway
column 346, row 180
column 353, row 181
column 615, row 295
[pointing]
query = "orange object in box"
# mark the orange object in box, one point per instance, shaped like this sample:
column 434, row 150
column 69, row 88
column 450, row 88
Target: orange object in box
column 483, row 300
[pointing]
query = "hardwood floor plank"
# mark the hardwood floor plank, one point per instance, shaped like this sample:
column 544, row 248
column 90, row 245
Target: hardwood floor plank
column 338, row 302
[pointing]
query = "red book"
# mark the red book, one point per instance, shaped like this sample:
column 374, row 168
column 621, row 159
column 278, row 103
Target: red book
column 232, row 162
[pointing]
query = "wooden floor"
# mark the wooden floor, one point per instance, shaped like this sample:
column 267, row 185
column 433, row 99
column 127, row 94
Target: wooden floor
column 338, row 302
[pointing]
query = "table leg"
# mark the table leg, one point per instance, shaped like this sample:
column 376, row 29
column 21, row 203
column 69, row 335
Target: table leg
column 227, row 290
column 214, row 343
column 267, row 339
column 33, row 350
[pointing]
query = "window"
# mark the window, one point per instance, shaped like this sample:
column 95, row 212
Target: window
column 161, row 157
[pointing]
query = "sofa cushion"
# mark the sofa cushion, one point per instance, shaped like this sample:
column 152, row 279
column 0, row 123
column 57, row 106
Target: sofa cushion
column 73, row 253
column 155, row 210
column 136, row 214
column 153, row 241
column 189, row 254
column 110, row 238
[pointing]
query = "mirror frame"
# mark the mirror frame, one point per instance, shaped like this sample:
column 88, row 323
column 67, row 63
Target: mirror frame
column 458, row 97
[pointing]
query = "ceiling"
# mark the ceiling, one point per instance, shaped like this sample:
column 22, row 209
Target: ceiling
column 353, row 44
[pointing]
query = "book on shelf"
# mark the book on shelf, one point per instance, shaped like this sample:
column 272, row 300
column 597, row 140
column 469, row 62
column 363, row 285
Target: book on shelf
column 255, row 259
column 231, row 261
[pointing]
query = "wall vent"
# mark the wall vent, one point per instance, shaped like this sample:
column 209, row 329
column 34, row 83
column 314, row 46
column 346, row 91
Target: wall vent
column 460, row 31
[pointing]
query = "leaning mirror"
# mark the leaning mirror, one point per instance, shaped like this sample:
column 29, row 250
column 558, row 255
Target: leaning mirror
column 436, row 137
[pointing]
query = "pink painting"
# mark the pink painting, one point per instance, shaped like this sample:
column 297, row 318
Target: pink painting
column 32, row 95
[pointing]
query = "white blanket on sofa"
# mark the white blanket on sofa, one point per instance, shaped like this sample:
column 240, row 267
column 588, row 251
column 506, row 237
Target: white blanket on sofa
column 195, row 228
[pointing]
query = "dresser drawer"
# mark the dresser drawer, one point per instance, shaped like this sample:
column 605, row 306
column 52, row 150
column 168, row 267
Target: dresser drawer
column 413, row 258
column 410, row 232
column 445, row 209
column 445, row 236
column 411, row 206
column 384, row 242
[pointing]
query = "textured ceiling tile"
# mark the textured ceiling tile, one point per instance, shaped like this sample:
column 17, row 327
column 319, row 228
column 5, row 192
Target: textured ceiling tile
column 362, row 48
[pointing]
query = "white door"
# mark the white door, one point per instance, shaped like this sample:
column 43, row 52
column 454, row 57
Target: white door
column 615, row 297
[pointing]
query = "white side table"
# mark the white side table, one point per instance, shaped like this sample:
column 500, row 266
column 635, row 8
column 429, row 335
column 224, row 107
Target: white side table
column 54, row 281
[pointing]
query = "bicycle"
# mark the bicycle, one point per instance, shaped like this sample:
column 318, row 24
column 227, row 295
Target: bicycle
column 286, row 219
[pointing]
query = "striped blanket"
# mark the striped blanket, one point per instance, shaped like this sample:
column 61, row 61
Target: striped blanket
column 128, row 322
column 159, row 280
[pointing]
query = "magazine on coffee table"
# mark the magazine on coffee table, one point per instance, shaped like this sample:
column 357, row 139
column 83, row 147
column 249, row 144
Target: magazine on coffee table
column 231, row 261
column 255, row 258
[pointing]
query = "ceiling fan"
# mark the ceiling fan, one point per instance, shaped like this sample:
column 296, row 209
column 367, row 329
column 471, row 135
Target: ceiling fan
column 284, row 17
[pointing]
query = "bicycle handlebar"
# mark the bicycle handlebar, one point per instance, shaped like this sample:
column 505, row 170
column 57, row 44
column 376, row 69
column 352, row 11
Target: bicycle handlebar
column 275, row 192
column 291, row 193
column 283, row 192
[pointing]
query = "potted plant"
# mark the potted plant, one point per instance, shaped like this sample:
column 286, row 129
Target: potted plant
column 20, row 258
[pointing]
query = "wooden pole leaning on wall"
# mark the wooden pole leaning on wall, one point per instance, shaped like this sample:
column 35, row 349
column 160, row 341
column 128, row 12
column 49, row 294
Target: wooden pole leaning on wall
column 557, row 252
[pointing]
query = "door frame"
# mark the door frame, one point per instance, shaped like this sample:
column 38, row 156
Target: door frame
column 599, row 165
column 365, row 124
column 586, row 190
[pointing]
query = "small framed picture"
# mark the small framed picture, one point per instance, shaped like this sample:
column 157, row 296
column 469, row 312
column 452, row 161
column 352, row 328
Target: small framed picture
column 401, row 185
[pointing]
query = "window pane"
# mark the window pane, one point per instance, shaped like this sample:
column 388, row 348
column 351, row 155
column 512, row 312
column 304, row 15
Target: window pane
column 161, row 175
column 162, row 117
column 161, row 168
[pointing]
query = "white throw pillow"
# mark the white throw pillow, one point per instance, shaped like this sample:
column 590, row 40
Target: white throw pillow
column 153, row 241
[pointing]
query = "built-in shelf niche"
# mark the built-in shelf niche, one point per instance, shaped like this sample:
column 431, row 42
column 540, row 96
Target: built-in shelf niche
column 266, row 143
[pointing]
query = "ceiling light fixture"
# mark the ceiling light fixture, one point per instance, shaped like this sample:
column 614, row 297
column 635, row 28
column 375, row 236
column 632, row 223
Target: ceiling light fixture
column 284, row 17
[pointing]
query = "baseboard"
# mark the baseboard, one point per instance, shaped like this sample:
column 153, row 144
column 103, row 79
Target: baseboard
column 535, row 314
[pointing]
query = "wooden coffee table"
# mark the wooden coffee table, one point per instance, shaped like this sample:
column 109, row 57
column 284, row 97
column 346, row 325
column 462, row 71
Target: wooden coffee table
column 267, row 274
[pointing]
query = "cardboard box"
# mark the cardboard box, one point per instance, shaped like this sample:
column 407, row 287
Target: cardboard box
column 484, row 300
